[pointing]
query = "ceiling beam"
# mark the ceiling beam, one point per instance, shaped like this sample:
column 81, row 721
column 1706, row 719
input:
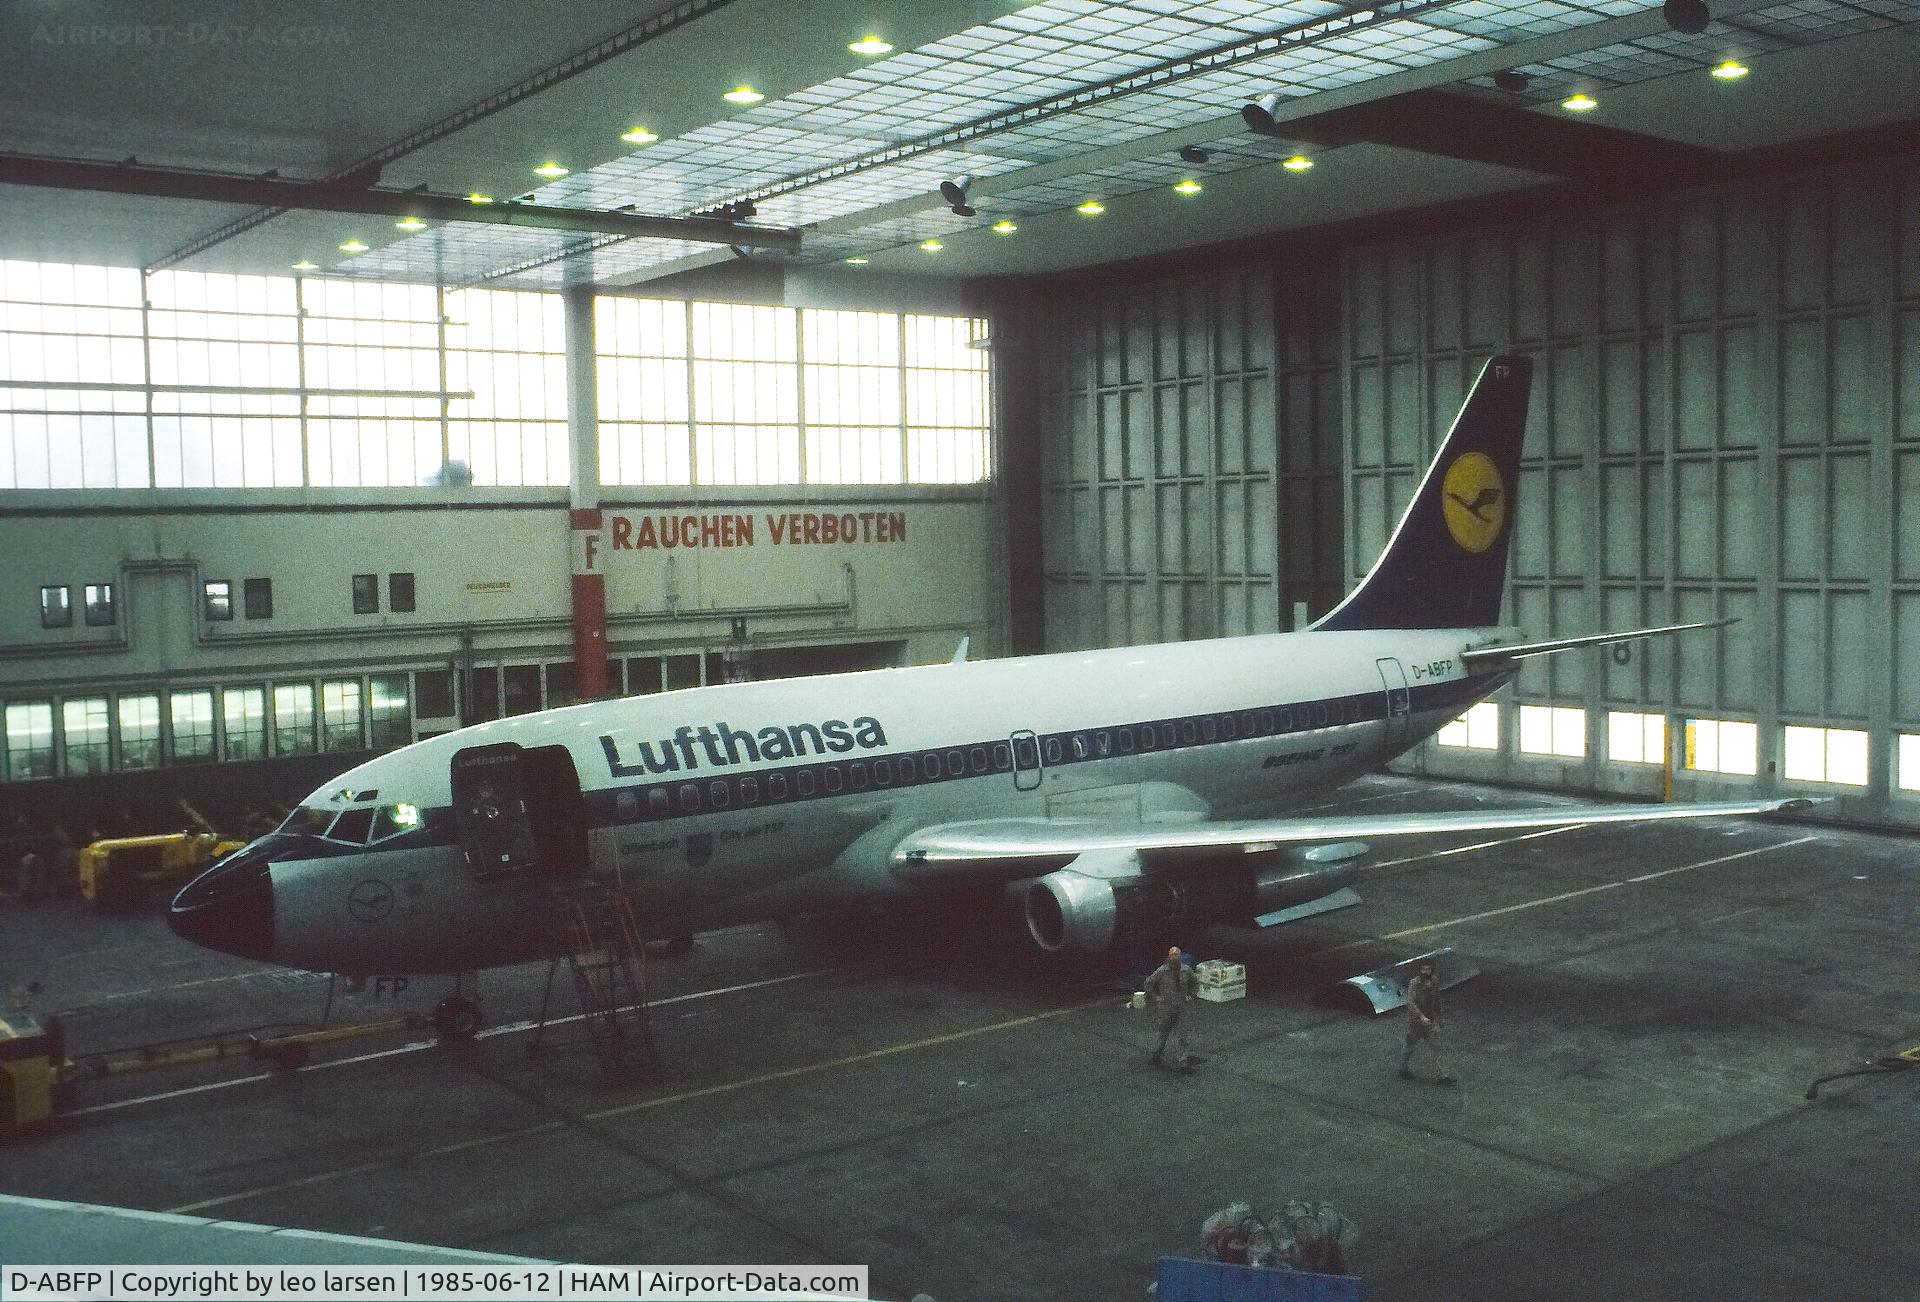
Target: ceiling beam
column 330, row 196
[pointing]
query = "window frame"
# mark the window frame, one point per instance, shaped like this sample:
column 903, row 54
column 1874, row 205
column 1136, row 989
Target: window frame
column 56, row 614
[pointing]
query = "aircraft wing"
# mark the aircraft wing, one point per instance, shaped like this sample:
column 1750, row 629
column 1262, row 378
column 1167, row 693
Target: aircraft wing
column 1008, row 849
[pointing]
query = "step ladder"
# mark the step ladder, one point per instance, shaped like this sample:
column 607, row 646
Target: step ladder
column 591, row 927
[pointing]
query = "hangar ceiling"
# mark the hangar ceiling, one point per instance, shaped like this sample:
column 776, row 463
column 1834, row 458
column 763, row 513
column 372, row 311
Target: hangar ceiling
column 1045, row 105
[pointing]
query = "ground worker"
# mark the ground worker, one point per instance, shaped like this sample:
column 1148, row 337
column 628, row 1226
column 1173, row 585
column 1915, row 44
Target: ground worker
column 1423, row 1024
column 1168, row 990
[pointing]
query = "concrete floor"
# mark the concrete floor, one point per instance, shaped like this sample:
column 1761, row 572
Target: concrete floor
column 1629, row 1123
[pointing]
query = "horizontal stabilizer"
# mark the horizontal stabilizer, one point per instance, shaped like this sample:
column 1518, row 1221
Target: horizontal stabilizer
column 1520, row 650
column 1344, row 898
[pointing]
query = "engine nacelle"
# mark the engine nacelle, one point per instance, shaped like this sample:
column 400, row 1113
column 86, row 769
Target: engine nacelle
column 1083, row 906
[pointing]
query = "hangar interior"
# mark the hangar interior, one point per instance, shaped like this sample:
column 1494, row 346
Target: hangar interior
column 371, row 371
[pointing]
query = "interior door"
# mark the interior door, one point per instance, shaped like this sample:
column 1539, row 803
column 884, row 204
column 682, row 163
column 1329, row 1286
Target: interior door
column 518, row 810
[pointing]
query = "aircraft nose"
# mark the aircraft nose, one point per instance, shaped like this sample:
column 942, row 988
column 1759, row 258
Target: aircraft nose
column 229, row 907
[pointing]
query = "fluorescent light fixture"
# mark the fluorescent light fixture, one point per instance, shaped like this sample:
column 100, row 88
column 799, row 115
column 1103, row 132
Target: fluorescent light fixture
column 856, row 261
column 870, row 45
column 1005, row 226
column 932, row 246
column 1579, row 102
column 1298, row 163
column 743, row 95
column 551, row 170
column 474, row 196
column 1188, row 186
column 411, row 224
column 1091, row 208
column 353, row 246
column 1731, row 70
column 638, row 136
column 306, row 264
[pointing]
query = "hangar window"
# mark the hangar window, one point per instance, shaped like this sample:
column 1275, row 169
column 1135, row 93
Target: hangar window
column 56, row 606
column 191, row 714
column 1553, row 730
column 340, row 715
column 99, row 604
column 1634, row 738
column 400, row 593
column 366, row 594
column 1722, row 746
column 244, row 711
column 87, row 734
column 29, row 740
column 1836, row 755
column 434, row 690
column 389, row 721
column 293, row 719
column 140, row 731
column 1477, row 729
column 216, row 600
column 1907, row 763
column 258, row 595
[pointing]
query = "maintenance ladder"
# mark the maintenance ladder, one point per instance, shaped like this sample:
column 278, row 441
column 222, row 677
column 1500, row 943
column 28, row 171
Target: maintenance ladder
column 590, row 924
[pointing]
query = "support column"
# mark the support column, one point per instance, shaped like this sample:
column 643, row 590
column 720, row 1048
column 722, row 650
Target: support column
column 586, row 546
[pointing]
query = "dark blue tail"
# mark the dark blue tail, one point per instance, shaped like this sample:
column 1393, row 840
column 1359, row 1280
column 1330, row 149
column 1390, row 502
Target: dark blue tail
column 1446, row 565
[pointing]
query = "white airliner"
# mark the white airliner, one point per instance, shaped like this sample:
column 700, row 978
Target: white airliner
column 1136, row 788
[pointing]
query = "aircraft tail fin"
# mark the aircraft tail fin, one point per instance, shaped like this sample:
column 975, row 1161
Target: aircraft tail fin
column 1446, row 564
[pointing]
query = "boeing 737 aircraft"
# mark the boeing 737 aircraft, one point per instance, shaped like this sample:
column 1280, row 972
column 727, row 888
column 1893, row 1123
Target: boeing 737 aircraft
column 1137, row 787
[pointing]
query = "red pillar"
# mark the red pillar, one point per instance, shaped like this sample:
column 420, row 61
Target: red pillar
column 589, row 604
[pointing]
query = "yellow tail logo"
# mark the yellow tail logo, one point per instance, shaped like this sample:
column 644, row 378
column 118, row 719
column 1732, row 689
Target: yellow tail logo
column 1474, row 501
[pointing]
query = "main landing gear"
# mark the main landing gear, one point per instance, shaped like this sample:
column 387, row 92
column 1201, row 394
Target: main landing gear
column 457, row 1016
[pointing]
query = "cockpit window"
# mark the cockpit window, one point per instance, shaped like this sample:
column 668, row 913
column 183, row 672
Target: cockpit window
column 308, row 821
column 394, row 820
column 352, row 827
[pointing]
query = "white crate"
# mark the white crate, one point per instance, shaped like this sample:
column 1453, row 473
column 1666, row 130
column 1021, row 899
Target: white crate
column 1219, row 972
column 1221, row 992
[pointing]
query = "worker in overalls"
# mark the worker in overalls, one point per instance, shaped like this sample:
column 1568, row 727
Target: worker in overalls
column 1423, row 1024
column 1168, row 990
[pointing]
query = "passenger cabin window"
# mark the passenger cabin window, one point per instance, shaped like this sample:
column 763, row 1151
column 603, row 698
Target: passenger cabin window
column 659, row 804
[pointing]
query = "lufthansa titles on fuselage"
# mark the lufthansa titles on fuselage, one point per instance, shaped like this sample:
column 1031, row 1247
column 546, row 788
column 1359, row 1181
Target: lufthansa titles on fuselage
column 722, row 745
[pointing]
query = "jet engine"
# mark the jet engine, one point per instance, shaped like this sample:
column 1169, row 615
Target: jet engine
column 1101, row 895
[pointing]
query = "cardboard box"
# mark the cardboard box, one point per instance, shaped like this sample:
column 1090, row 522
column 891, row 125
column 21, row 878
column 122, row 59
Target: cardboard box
column 1221, row 992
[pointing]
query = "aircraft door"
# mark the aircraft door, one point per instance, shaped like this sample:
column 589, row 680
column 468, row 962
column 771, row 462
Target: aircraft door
column 1399, row 698
column 1026, row 760
column 518, row 810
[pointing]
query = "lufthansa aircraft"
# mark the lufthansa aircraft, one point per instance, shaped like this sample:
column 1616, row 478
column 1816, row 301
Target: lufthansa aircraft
column 1136, row 787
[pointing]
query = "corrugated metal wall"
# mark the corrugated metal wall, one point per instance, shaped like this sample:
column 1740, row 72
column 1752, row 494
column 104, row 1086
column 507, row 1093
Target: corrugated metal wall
column 1726, row 422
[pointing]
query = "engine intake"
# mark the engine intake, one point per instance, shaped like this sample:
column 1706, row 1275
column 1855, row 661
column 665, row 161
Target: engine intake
column 1082, row 911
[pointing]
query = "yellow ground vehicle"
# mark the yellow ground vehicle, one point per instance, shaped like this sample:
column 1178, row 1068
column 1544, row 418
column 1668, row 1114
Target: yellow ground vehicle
column 120, row 873
column 36, row 1080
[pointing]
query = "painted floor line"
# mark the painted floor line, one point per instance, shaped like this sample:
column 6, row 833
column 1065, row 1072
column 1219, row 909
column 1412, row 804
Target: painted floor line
column 417, row 1046
column 1591, row 890
column 1478, row 845
column 724, row 1087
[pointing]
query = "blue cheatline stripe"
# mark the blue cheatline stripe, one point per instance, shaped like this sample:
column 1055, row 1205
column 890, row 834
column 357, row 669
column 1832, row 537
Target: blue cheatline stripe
column 717, row 791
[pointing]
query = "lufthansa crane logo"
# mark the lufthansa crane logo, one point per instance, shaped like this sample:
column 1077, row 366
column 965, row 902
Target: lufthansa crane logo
column 1474, row 501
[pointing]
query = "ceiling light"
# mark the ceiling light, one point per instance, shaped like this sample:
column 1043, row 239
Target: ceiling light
column 955, row 193
column 1259, row 115
column 932, row 246
column 411, row 224
column 1510, row 81
column 638, row 136
column 1193, row 154
column 743, row 95
column 1579, row 102
column 1688, row 16
column 353, row 246
column 1298, row 163
column 856, row 261
column 870, row 45
column 306, row 265
column 1188, row 186
column 1004, row 226
column 474, row 196
column 1091, row 208
column 1731, row 70
column 551, row 170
